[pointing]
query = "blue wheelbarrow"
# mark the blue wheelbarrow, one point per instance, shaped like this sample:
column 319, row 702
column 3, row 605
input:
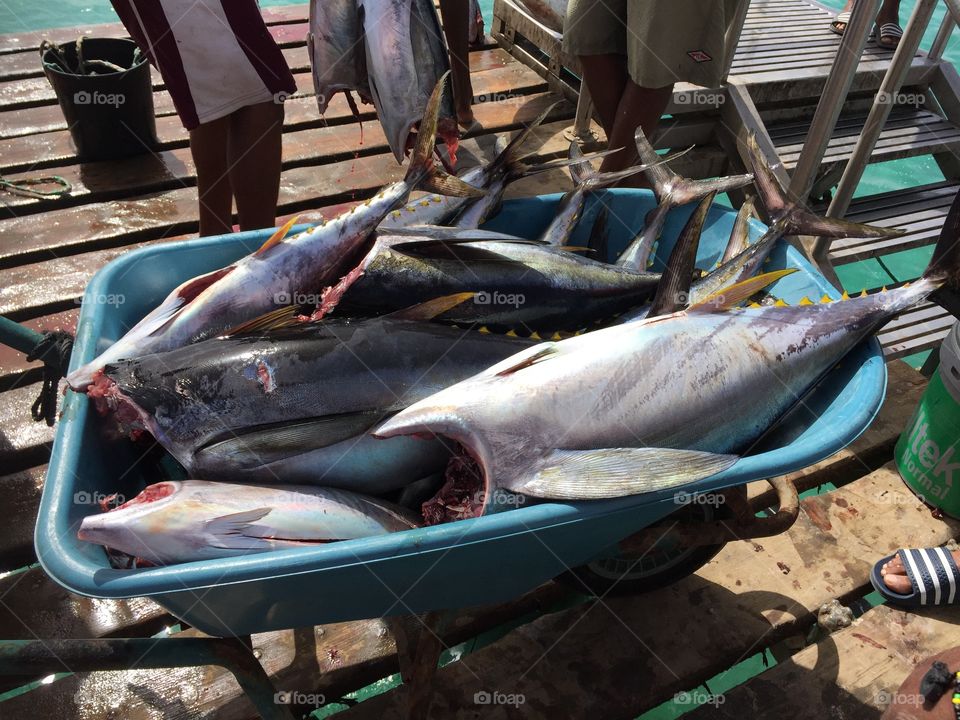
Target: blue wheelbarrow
column 470, row 562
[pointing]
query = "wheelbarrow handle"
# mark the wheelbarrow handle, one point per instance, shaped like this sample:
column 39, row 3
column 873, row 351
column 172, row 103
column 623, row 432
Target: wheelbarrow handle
column 17, row 336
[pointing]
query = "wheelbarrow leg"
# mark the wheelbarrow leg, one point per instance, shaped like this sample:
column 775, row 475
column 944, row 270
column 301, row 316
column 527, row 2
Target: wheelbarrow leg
column 419, row 646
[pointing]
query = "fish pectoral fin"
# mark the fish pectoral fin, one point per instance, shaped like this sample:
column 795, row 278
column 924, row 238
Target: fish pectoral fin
column 282, row 317
column 431, row 308
column 616, row 472
column 522, row 359
column 230, row 531
column 733, row 295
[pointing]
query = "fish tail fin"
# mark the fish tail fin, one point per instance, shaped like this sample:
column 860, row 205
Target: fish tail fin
column 740, row 235
column 660, row 176
column 792, row 216
column 423, row 172
column 673, row 292
column 586, row 178
column 944, row 267
column 509, row 158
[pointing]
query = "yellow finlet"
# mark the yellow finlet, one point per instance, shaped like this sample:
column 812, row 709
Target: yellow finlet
column 512, row 333
column 557, row 336
column 780, row 303
column 805, row 301
column 845, row 296
column 484, row 330
column 863, row 293
column 883, row 289
column 754, row 305
column 825, row 299
column 424, row 203
column 535, row 335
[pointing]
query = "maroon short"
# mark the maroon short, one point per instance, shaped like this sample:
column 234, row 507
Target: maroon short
column 215, row 56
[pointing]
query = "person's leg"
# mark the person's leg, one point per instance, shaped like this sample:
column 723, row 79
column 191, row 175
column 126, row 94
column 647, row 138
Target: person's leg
column 208, row 145
column 638, row 107
column 841, row 27
column 606, row 78
column 456, row 16
column 889, row 14
column 254, row 156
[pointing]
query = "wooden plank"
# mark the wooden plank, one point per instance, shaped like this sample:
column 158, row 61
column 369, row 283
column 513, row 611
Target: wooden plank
column 22, row 493
column 634, row 653
column 329, row 659
column 124, row 221
column 23, row 443
column 105, row 180
column 921, row 329
column 855, row 672
column 34, row 606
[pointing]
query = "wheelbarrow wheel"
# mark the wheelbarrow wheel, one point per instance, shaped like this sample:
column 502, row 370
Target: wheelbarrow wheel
column 619, row 573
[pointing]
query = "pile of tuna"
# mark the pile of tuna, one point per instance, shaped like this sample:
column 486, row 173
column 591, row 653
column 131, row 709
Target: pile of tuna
column 397, row 399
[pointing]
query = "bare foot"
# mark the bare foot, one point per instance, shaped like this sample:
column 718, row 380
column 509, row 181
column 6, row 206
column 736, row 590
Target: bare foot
column 841, row 27
column 894, row 574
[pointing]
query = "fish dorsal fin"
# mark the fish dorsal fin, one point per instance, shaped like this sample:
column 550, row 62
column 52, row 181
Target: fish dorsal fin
column 278, row 236
column 229, row 531
column 278, row 319
column 733, row 295
column 431, row 308
column 673, row 292
column 522, row 359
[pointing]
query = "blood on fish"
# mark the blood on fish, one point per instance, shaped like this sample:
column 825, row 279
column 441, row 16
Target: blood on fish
column 462, row 494
column 265, row 376
column 154, row 492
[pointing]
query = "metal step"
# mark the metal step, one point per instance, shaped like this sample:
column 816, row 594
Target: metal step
column 908, row 133
column 921, row 328
column 920, row 211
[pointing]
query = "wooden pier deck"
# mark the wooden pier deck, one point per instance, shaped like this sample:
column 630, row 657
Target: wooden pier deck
column 611, row 657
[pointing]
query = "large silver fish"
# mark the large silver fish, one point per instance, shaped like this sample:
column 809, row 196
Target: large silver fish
column 294, row 405
column 336, row 48
column 658, row 403
column 174, row 522
column 282, row 268
column 406, row 56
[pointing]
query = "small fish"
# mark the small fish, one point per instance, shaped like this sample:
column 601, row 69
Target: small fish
column 282, row 268
column 182, row 521
column 658, row 403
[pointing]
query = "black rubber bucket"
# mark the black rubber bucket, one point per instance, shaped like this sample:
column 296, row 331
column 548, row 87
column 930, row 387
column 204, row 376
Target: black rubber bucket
column 110, row 114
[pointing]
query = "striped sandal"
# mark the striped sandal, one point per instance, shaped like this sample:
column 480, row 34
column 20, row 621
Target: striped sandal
column 842, row 18
column 933, row 574
column 888, row 35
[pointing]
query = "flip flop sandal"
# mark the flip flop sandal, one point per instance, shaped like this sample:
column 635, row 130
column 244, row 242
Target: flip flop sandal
column 889, row 30
column 842, row 18
column 934, row 578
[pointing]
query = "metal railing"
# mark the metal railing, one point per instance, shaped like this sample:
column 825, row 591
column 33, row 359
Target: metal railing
column 835, row 92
